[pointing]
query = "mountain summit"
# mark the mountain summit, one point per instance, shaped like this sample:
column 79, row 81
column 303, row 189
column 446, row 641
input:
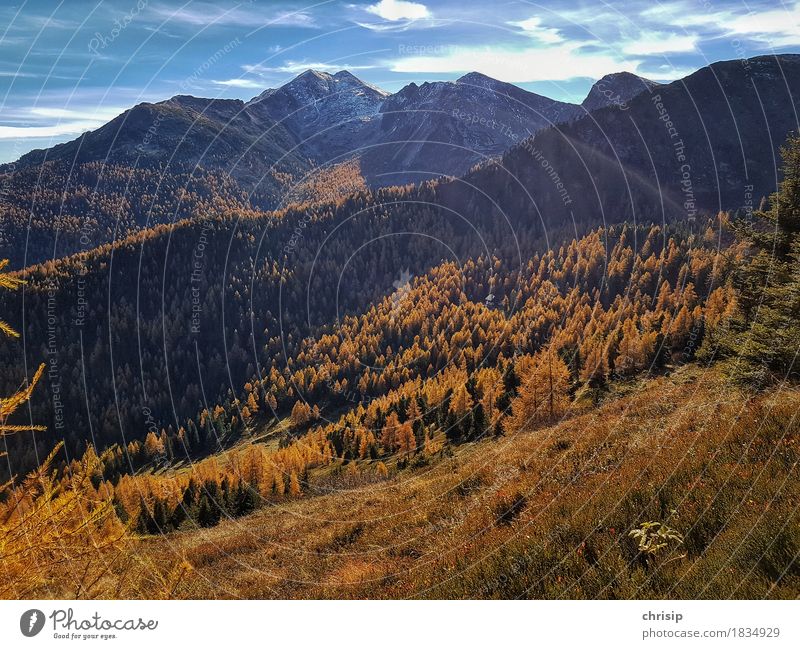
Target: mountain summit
column 324, row 111
column 445, row 127
column 616, row 89
column 344, row 88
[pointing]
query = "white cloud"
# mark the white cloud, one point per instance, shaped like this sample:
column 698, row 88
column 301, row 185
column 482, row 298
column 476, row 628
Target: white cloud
column 395, row 10
column 202, row 14
column 238, row 83
column 533, row 28
column 679, row 14
column 295, row 67
column 62, row 128
column 104, row 114
column 517, row 65
column 776, row 27
column 43, row 122
column 651, row 43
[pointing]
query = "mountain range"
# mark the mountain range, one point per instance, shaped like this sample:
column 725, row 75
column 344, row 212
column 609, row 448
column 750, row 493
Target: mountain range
column 320, row 119
column 616, row 152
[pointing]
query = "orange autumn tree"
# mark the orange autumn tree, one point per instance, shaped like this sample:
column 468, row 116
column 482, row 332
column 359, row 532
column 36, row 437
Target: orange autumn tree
column 544, row 392
column 9, row 405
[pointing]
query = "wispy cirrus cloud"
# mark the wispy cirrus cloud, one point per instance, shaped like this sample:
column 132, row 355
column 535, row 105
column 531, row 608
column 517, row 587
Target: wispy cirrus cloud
column 46, row 122
column 517, row 65
column 563, row 46
column 778, row 27
column 202, row 14
column 55, row 130
column 238, row 83
column 402, row 26
column 68, row 113
column 769, row 24
column 38, row 22
column 20, row 75
column 533, row 27
column 608, row 29
column 649, row 43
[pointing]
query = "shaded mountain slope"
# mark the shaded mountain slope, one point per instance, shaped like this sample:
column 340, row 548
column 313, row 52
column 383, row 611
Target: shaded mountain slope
column 443, row 128
column 704, row 143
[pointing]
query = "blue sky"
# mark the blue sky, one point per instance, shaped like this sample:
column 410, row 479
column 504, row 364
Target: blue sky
column 69, row 67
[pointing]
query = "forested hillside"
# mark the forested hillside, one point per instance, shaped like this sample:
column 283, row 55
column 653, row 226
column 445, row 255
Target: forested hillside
column 438, row 365
column 230, row 300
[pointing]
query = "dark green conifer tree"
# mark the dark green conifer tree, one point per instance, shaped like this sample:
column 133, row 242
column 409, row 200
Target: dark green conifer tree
column 763, row 338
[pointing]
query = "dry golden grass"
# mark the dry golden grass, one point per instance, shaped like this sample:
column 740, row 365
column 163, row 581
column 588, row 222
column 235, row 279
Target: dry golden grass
column 60, row 538
column 544, row 513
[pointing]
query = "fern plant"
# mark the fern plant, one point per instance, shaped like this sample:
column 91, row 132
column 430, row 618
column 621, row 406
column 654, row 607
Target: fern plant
column 653, row 536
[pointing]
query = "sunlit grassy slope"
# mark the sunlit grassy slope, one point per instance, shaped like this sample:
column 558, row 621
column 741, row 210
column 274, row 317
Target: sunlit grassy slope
column 542, row 514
